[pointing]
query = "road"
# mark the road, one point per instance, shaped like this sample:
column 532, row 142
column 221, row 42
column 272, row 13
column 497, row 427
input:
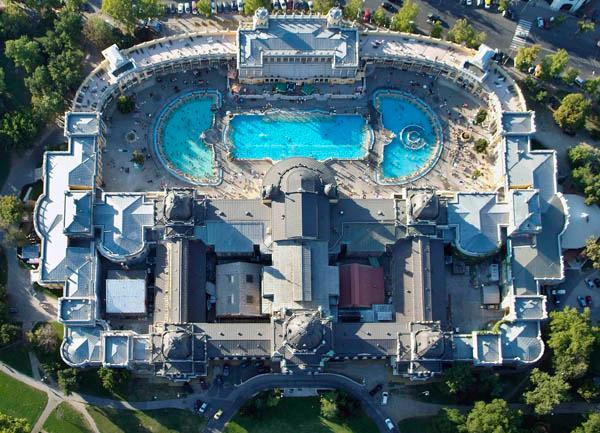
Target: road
column 243, row 392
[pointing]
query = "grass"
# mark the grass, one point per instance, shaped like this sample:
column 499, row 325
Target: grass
column 137, row 389
column 20, row 400
column 299, row 415
column 53, row 293
column 152, row 421
column 426, row 424
column 17, row 357
column 65, row 419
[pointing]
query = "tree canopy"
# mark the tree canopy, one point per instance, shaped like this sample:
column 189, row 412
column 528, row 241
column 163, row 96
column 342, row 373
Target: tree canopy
column 404, row 20
column 322, row 6
column 11, row 211
column 25, row 53
column 592, row 252
column 493, row 417
column 554, row 64
column 547, row 391
column 98, row 32
column 572, row 112
column 130, row 12
column 571, row 339
column 591, row 425
column 463, row 33
column 526, row 57
column 458, row 378
column 379, row 17
column 585, row 161
column 352, row 9
column 9, row 424
column 114, row 379
column 250, row 6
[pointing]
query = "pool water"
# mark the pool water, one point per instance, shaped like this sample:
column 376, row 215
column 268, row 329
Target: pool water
column 415, row 144
column 181, row 141
column 281, row 135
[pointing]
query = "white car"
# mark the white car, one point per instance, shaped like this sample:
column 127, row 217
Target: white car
column 540, row 22
column 469, row 2
column 240, row 5
column 218, row 414
column 179, row 8
column 188, row 9
column 203, row 408
column 389, row 424
column 384, row 398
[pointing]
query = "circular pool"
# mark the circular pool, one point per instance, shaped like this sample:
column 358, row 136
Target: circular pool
column 417, row 137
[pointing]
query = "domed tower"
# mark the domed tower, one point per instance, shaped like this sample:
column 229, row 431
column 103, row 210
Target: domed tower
column 334, row 18
column 261, row 19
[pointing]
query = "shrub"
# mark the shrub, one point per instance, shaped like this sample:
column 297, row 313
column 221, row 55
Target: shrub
column 125, row 104
column 481, row 145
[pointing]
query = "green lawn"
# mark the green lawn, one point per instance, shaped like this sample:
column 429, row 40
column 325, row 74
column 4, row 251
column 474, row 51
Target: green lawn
column 299, row 415
column 152, row 421
column 65, row 419
column 20, row 400
column 17, row 357
column 421, row 425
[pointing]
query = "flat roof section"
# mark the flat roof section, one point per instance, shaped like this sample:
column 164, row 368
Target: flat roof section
column 126, row 296
column 361, row 286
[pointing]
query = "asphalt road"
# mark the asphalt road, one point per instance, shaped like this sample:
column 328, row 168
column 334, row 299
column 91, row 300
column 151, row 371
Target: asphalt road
column 243, row 392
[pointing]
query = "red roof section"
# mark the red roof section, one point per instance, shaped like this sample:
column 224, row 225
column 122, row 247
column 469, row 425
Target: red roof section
column 361, row 285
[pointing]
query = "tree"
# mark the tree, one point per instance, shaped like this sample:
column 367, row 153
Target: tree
column 113, row 379
column 322, row 6
column 353, row 9
column 3, row 92
column 25, row 53
column 404, row 20
column 572, row 340
column 481, row 145
column 585, row 26
column 450, row 421
column 65, row 69
column 69, row 25
column 589, row 391
column 17, row 129
column 526, row 57
column 8, row 333
column 98, row 32
column 436, row 30
column 458, row 378
column 585, row 161
column 329, row 407
column 592, row 86
column 10, row 424
column 572, row 112
column 125, row 104
column 379, row 17
column 11, row 211
column 250, row 6
column 554, row 64
column 463, row 33
column 204, row 7
column 502, row 5
column 570, row 75
column 14, row 237
column 547, row 392
column 14, row 21
column 592, row 252
column 493, row 417
column 44, row 339
column 129, row 12
column 591, row 425
column 68, row 380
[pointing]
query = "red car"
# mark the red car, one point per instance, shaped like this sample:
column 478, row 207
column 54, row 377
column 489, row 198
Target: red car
column 367, row 16
column 588, row 301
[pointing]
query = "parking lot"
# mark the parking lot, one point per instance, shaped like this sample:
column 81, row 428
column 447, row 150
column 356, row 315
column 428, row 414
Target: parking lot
column 579, row 291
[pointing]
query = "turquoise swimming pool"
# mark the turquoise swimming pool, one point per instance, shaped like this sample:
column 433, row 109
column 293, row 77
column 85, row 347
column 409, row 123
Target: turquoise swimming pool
column 179, row 136
column 285, row 134
column 417, row 136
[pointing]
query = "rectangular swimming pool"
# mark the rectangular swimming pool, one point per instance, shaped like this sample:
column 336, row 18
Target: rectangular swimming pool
column 284, row 134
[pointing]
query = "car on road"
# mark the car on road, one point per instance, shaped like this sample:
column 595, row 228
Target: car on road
column 588, row 301
column 432, row 18
column 375, row 389
column 597, row 282
column 218, row 414
column 384, row 397
column 469, row 2
column 389, row 424
column 540, row 22
column 203, row 407
column 589, row 282
column 226, row 370
column 581, row 301
column 389, row 7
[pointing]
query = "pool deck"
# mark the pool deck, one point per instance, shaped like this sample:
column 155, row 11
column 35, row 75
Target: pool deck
column 241, row 178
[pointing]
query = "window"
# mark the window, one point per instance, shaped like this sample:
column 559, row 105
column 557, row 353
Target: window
column 249, row 278
column 249, row 299
column 231, row 278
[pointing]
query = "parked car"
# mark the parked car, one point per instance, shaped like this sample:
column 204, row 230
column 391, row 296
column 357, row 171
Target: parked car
column 589, row 282
column 194, row 8
column 432, row 18
column 540, row 22
column 188, row 8
column 180, row 8
column 197, row 404
column 389, row 7
column 384, row 397
column 226, row 370
column 375, row 389
column 508, row 13
column 597, row 282
column 389, row 424
column 240, row 6
column 588, row 301
column 173, row 8
column 558, row 292
column 203, row 407
column 218, row 414
column 366, row 15
column 469, row 2
column 581, row 301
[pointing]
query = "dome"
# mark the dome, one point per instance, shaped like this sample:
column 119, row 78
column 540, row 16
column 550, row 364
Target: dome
column 304, row 331
column 178, row 206
column 294, row 174
column 177, row 345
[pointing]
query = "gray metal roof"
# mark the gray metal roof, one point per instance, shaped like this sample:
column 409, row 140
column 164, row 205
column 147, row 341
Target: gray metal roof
column 78, row 212
column 367, row 339
column 232, row 237
column 488, row 349
column 521, row 341
column 238, row 289
column 116, row 349
column 291, row 36
column 526, row 217
column 518, row 123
